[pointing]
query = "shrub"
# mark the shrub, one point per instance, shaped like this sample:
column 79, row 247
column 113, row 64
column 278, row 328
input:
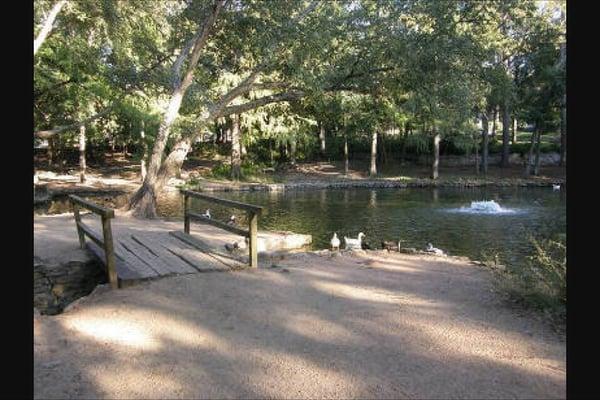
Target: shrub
column 539, row 283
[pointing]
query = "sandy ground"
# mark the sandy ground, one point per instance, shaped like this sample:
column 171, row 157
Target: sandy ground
column 370, row 325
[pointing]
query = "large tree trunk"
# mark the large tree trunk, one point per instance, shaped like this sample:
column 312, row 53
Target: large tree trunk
column 143, row 202
column 373, row 168
column 536, row 166
column 505, row 135
column 528, row 166
column 514, row 130
column 51, row 151
column 404, row 140
column 47, row 25
column 563, row 110
column 82, row 165
column 485, row 144
column 563, row 132
column 236, row 139
column 477, row 169
column 384, row 156
column 436, row 154
column 293, row 151
column 345, row 153
column 144, row 154
column 494, row 119
column 322, row 139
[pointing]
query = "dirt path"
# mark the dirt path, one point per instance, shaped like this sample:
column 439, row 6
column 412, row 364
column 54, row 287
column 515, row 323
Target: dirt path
column 371, row 325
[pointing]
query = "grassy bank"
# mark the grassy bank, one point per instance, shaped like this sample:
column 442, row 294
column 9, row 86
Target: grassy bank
column 540, row 283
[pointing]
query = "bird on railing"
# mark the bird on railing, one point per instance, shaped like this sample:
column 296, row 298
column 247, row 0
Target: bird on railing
column 335, row 242
column 555, row 187
column 354, row 243
column 206, row 214
column 434, row 250
column 232, row 220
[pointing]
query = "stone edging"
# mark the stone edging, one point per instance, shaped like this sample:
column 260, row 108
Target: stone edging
column 374, row 184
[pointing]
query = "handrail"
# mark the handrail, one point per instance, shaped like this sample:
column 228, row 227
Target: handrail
column 252, row 211
column 96, row 209
column 230, row 203
column 107, row 239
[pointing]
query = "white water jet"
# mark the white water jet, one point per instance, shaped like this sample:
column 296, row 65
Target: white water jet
column 484, row 207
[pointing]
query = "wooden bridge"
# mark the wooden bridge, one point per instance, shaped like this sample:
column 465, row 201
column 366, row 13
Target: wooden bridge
column 139, row 256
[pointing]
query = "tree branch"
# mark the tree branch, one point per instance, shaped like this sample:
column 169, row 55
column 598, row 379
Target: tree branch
column 52, row 132
column 275, row 98
column 47, row 25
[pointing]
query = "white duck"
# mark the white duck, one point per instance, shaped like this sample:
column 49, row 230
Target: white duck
column 555, row 187
column 232, row 220
column 354, row 243
column 434, row 250
column 206, row 214
column 335, row 242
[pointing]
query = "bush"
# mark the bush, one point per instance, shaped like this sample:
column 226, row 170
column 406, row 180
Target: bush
column 250, row 171
column 540, row 283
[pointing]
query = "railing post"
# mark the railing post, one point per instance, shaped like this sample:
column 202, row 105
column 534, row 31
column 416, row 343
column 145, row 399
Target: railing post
column 109, row 252
column 186, row 217
column 77, row 220
column 252, row 255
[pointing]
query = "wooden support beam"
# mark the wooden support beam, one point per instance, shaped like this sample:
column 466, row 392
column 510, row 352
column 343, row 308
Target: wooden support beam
column 253, row 243
column 109, row 251
column 80, row 232
column 186, row 217
column 86, row 230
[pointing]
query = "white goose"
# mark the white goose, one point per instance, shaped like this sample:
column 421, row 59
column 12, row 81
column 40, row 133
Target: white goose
column 335, row 242
column 555, row 187
column 354, row 243
column 434, row 250
column 206, row 214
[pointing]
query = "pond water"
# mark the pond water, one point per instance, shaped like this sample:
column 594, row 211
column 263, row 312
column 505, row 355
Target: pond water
column 499, row 221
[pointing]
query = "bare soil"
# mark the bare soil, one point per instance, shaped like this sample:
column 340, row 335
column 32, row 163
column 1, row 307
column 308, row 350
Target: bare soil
column 357, row 325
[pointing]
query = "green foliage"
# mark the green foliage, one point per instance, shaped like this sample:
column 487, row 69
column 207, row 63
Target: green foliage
column 541, row 281
column 361, row 67
column 251, row 172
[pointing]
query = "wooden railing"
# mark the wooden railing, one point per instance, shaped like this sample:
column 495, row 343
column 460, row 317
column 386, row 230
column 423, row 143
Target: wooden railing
column 251, row 210
column 106, row 241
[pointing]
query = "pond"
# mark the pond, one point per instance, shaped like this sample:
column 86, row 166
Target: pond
column 443, row 216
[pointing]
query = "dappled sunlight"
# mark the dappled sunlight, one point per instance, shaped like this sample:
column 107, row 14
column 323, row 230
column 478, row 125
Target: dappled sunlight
column 300, row 376
column 316, row 328
column 115, row 332
column 365, row 294
column 129, row 382
column 141, row 329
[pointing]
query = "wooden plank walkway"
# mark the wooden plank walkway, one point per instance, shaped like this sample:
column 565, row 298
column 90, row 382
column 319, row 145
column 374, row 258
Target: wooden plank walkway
column 152, row 255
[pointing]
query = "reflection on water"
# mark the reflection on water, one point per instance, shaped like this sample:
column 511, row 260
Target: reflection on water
column 417, row 216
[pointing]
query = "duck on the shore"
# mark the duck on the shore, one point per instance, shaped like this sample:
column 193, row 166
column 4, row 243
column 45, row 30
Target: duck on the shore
column 206, row 214
column 434, row 250
column 390, row 245
column 335, row 242
column 366, row 246
column 555, row 186
column 231, row 247
column 354, row 243
column 231, row 220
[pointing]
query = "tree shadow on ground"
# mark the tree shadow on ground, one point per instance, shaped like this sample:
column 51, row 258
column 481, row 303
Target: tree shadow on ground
column 313, row 332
